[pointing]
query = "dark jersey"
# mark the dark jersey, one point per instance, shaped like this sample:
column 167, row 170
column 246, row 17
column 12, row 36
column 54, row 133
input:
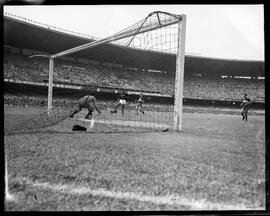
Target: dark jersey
column 123, row 96
column 87, row 101
column 246, row 103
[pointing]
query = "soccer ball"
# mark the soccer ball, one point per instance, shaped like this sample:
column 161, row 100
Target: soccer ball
column 113, row 111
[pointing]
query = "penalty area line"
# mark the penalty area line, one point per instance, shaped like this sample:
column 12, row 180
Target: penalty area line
column 167, row 200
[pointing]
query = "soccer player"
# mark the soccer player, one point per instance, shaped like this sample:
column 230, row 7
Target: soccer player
column 88, row 102
column 121, row 102
column 245, row 107
column 139, row 104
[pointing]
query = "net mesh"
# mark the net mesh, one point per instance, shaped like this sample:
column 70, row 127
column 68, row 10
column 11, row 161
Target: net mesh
column 39, row 121
column 157, row 32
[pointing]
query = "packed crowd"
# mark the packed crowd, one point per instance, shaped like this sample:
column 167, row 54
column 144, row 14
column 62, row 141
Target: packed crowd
column 18, row 67
column 224, row 89
column 16, row 73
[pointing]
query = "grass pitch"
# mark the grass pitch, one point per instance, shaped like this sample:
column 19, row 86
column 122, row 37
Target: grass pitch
column 216, row 162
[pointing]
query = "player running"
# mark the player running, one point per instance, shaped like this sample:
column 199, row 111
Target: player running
column 245, row 107
column 121, row 102
column 88, row 102
column 139, row 107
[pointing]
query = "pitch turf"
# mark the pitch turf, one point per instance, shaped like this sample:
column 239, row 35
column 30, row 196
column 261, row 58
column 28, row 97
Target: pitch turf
column 216, row 162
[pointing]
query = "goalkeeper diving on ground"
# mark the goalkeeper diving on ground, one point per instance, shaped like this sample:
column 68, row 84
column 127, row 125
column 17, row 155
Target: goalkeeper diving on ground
column 87, row 102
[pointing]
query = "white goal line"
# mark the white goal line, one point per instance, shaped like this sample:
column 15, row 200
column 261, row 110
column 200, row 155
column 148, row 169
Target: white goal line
column 124, row 123
column 167, row 199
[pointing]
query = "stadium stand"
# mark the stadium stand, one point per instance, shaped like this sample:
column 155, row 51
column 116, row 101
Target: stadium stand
column 223, row 89
column 19, row 67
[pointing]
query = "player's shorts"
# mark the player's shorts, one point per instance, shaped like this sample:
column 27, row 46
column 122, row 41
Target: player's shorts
column 244, row 110
column 122, row 101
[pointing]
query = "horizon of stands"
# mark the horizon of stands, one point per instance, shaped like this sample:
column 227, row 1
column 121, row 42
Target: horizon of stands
column 19, row 67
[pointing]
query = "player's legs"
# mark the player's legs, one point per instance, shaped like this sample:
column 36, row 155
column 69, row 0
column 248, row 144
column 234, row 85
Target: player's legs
column 243, row 116
column 122, row 108
column 245, row 113
column 89, row 114
column 115, row 108
column 141, row 109
column 117, row 105
column 78, row 109
column 137, row 109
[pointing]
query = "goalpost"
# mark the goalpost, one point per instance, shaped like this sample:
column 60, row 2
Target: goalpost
column 154, row 21
column 179, row 75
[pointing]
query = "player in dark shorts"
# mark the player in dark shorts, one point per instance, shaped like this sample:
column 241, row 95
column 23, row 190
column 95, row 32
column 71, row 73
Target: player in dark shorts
column 87, row 102
column 140, row 102
column 121, row 102
column 245, row 107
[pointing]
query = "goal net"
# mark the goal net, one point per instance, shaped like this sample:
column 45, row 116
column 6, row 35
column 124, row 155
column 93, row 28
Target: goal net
column 145, row 59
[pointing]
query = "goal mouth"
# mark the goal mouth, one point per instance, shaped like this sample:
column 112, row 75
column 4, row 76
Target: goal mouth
column 159, row 33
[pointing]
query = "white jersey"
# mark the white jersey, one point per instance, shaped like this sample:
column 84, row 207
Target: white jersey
column 122, row 101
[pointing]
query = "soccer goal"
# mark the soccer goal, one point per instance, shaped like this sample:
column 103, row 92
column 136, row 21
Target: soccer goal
column 146, row 58
column 161, row 36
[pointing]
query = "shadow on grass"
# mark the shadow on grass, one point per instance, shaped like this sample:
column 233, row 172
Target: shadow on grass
column 82, row 132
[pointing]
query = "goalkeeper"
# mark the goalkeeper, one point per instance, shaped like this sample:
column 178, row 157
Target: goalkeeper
column 88, row 102
column 245, row 107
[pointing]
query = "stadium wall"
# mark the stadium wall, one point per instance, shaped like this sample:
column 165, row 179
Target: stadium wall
column 73, row 93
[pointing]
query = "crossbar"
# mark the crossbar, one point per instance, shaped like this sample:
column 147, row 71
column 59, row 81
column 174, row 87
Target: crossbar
column 110, row 39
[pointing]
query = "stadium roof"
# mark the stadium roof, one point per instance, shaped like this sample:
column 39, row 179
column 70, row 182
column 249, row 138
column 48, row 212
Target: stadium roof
column 32, row 35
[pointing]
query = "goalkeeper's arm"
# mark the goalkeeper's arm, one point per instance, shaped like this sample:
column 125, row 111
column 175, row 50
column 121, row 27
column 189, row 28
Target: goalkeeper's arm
column 96, row 108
